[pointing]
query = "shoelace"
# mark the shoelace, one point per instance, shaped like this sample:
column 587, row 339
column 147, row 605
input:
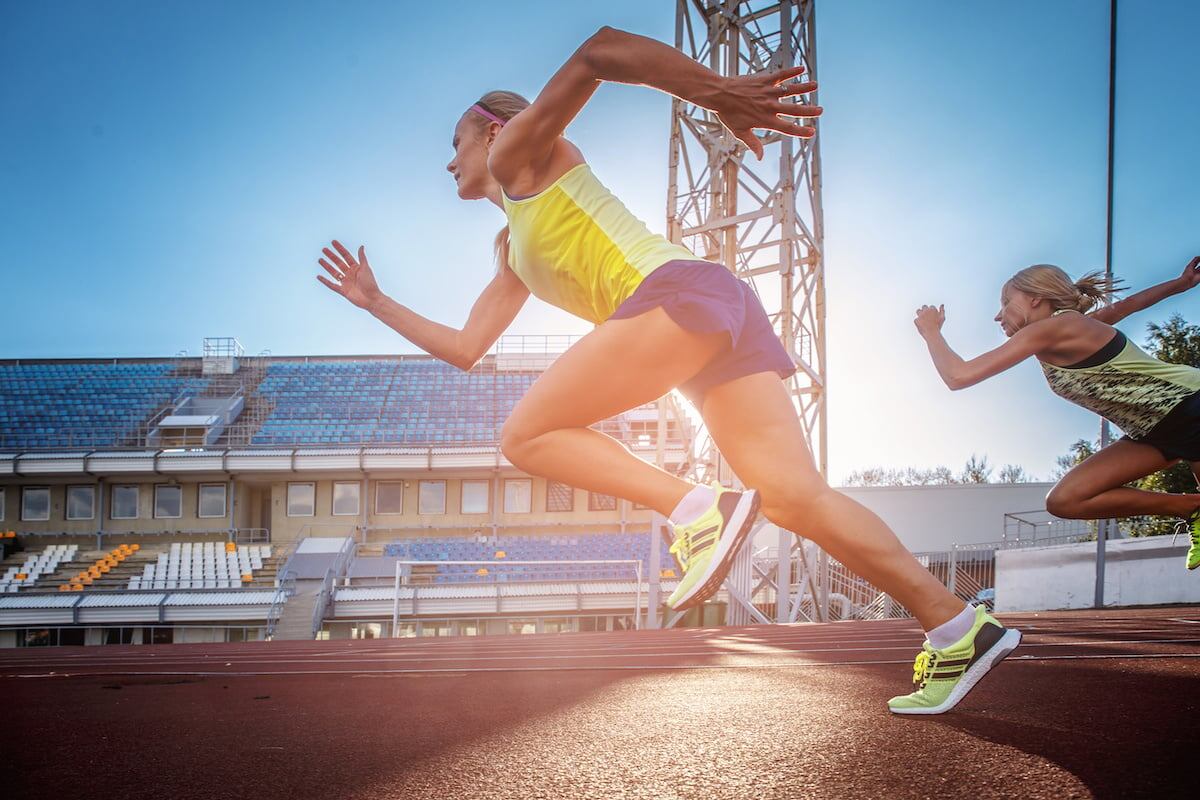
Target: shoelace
column 681, row 548
column 1188, row 525
column 923, row 667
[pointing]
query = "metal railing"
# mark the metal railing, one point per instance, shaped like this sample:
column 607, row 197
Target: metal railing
column 325, row 594
column 285, row 588
column 227, row 534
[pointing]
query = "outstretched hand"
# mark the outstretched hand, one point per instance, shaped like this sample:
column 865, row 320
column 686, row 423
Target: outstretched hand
column 758, row 101
column 929, row 319
column 355, row 280
column 1191, row 273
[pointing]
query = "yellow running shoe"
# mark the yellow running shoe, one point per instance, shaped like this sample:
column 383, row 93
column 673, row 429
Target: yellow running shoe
column 1190, row 526
column 705, row 548
column 943, row 677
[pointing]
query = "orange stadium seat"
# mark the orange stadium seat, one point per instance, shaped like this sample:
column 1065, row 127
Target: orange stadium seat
column 501, row 554
column 247, row 577
column 481, row 571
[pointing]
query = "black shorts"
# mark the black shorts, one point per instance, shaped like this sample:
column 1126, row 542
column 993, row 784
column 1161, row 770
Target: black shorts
column 1177, row 435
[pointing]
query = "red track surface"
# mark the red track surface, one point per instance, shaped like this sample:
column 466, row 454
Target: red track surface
column 1102, row 704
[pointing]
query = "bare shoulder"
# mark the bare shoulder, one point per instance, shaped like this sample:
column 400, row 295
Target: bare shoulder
column 1065, row 339
column 523, row 178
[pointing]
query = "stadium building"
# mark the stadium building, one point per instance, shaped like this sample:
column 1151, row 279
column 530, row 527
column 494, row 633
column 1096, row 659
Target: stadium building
column 230, row 498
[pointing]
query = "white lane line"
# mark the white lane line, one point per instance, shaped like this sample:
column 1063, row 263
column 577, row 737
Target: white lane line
column 622, row 667
column 478, row 657
column 490, row 649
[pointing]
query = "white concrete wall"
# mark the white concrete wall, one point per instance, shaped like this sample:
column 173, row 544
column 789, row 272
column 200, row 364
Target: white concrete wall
column 1146, row 571
column 937, row 517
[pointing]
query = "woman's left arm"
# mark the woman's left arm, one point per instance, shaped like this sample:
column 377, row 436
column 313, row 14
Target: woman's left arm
column 1112, row 314
column 959, row 373
column 742, row 104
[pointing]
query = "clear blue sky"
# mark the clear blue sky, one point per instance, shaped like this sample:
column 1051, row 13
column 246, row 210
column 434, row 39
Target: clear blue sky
column 171, row 171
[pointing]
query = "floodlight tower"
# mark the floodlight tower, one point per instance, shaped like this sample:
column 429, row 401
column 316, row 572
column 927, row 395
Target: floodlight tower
column 762, row 220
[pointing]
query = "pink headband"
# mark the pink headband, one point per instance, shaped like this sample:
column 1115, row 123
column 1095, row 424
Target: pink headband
column 478, row 109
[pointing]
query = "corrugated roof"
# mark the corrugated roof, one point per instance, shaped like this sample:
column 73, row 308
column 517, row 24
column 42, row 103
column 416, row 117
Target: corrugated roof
column 120, row 599
column 220, row 599
column 65, row 600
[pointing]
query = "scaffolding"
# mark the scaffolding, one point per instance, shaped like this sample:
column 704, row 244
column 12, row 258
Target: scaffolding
column 763, row 221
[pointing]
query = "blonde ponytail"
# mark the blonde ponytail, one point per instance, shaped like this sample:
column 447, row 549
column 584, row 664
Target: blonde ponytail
column 1056, row 287
column 1095, row 288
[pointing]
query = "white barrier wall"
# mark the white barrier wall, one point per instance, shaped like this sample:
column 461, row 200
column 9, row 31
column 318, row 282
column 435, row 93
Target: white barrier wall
column 1148, row 571
column 938, row 517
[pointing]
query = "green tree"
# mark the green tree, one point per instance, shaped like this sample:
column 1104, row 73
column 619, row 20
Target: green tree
column 1013, row 473
column 1175, row 341
column 976, row 470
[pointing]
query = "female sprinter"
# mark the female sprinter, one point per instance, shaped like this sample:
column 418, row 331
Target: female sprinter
column 664, row 319
column 1090, row 363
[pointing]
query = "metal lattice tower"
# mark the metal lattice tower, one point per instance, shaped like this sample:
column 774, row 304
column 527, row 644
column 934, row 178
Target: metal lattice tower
column 763, row 220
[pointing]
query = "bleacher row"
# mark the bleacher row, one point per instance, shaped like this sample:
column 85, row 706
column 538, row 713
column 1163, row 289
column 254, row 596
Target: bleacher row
column 185, row 565
column 202, row 565
column 35, row 566
column 85, row 404
column 386, row 401
column 332, row 402
column 534, row 547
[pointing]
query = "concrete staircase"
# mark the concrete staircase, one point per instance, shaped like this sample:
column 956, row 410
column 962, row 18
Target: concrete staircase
column 295, row 620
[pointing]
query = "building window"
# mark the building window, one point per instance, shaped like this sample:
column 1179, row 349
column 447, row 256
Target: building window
column 431, row 497
column 601, row 502
column 124, row 502
column 301, row 499
column 35, row 503
column 518, row 496
column 81, row 502
column 345, row 498
column 559, row 496
column 389, row 497
column 168, row 501
column 475, row 496
column 211, row 501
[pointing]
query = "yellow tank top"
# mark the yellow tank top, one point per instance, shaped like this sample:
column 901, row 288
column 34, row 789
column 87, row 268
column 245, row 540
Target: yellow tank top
column 576, row 246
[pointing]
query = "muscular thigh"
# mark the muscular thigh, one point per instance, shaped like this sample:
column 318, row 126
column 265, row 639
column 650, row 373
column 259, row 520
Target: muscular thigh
column 757, row 429
column 1116, row 465
column 622, row 364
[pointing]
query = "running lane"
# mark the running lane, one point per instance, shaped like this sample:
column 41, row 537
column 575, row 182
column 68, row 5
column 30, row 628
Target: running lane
column 1093, row 704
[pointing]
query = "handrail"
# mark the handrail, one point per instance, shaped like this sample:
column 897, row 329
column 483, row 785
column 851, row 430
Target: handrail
column 284, row 590
column 325, row 594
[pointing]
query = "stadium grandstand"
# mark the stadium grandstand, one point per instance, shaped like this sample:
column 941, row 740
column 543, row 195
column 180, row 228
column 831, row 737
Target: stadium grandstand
column 226, row 497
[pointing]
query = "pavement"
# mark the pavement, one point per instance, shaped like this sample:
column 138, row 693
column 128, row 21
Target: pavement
column 1093, row 704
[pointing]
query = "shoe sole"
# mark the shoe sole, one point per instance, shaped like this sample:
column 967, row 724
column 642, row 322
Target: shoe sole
column 736, row 530
column 1005, row 645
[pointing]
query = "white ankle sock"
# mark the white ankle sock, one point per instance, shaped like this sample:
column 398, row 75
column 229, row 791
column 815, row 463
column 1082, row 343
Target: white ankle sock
column 952, row 630
column 693, row 504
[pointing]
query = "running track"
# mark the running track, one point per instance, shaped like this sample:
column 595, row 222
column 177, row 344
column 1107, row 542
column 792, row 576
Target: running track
column 1103, row 704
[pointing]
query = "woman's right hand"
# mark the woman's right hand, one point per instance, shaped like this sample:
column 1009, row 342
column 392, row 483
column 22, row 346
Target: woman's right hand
column 759, row 100
column 355, row 280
